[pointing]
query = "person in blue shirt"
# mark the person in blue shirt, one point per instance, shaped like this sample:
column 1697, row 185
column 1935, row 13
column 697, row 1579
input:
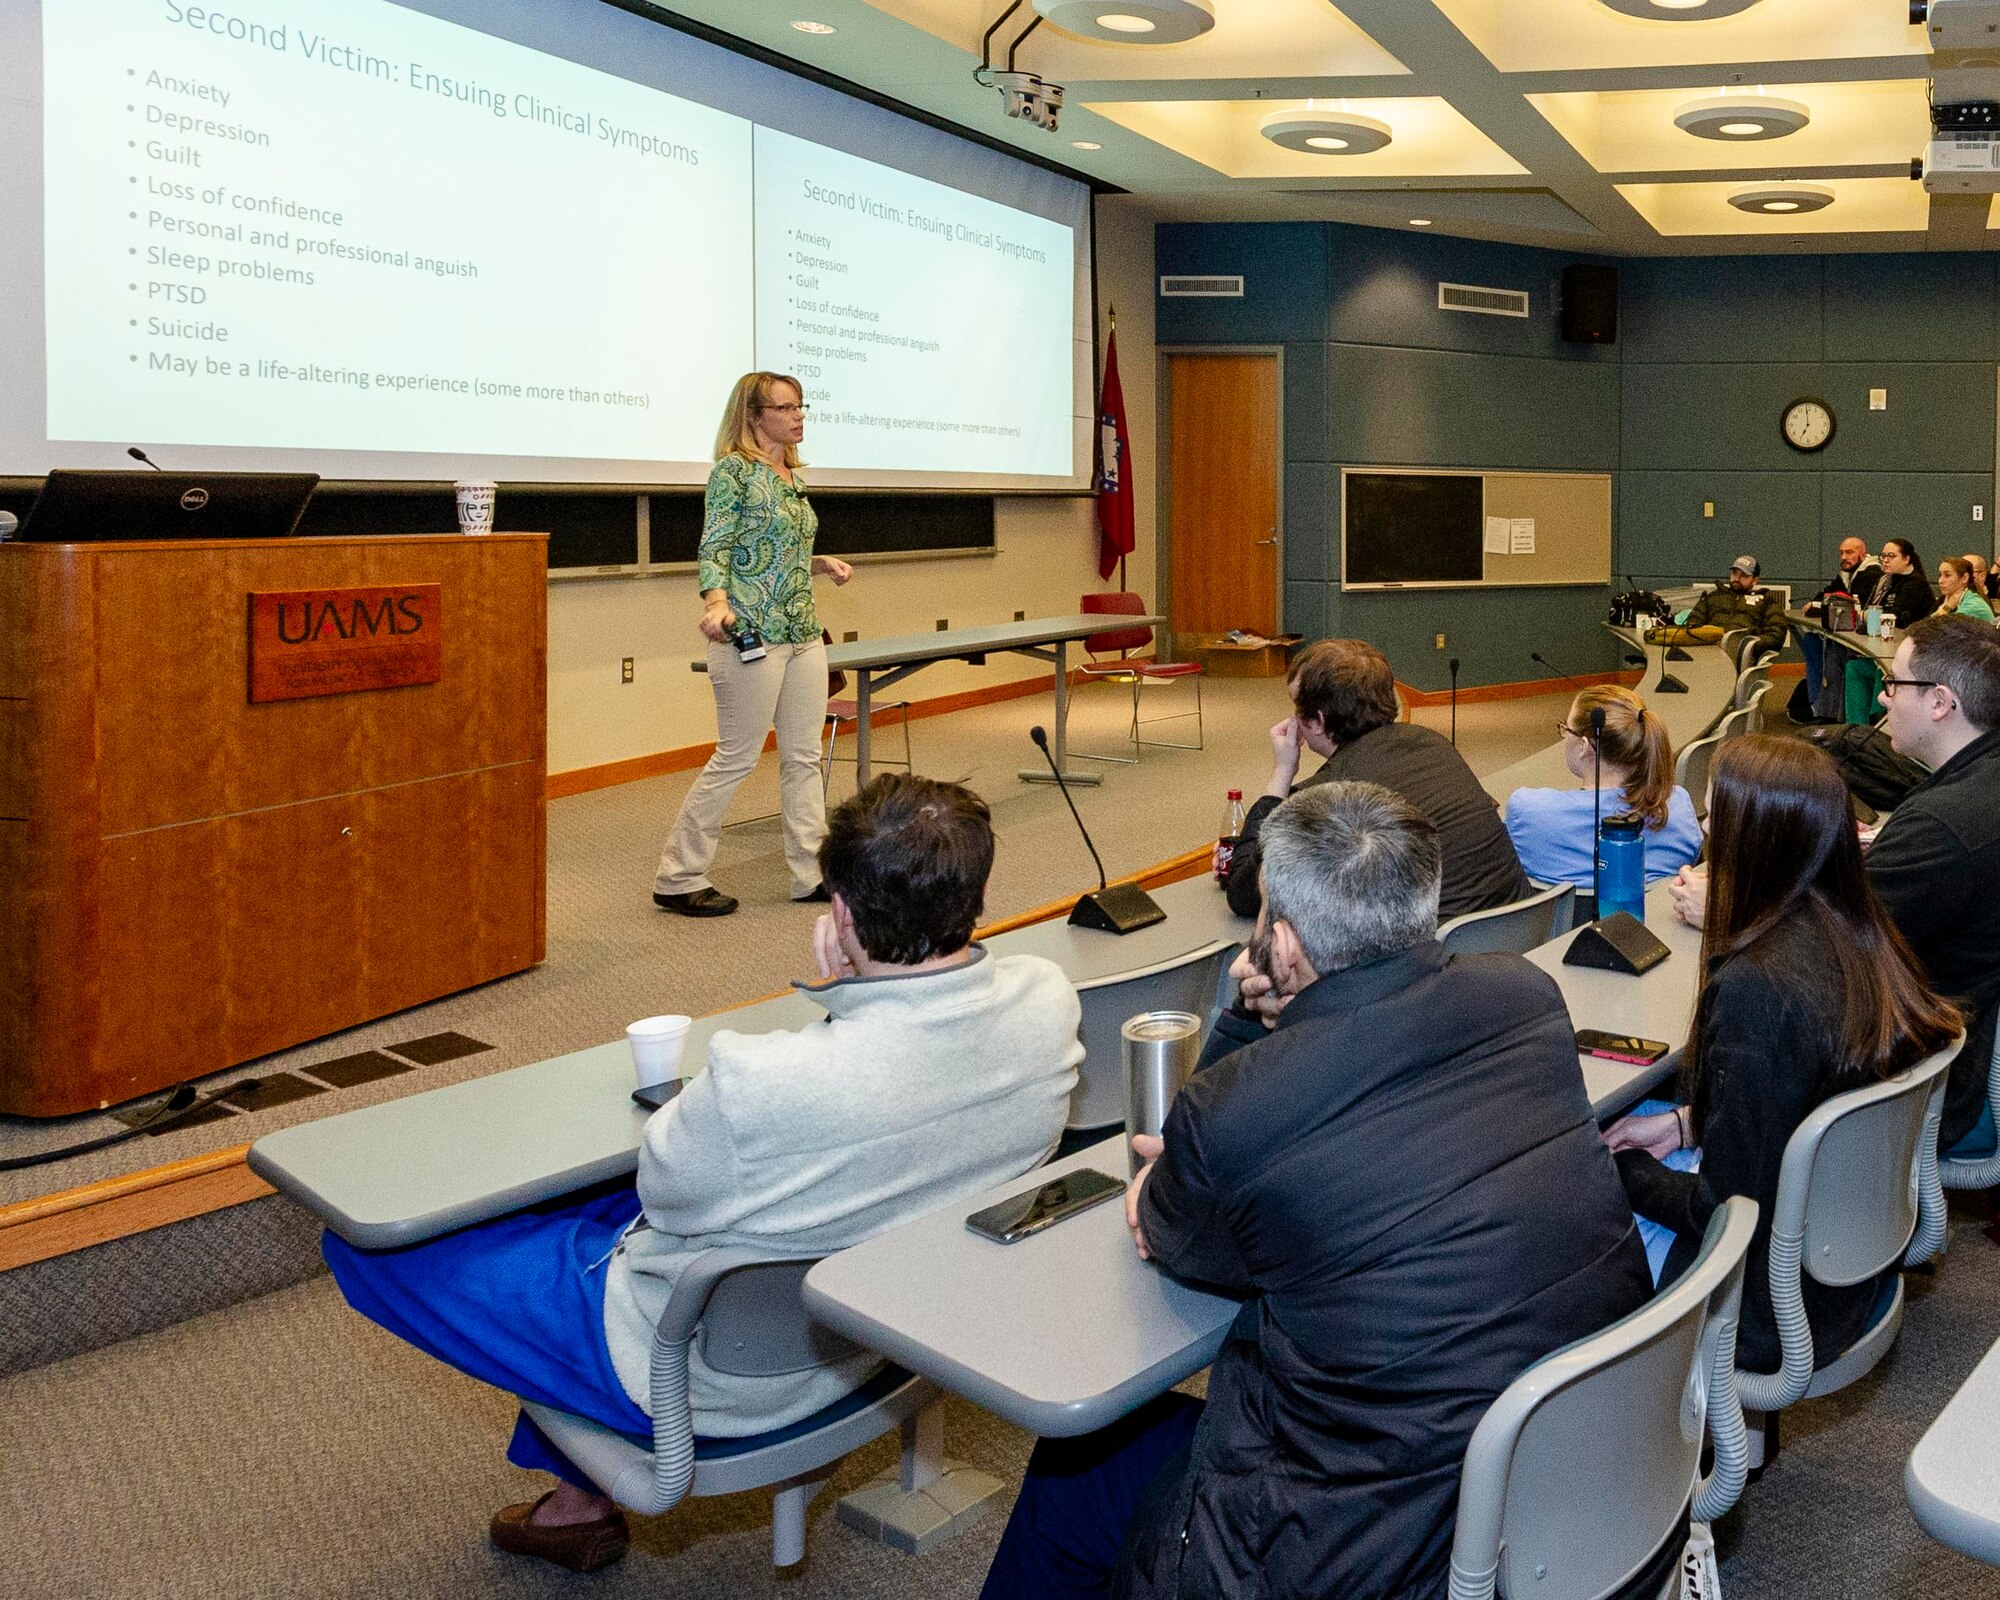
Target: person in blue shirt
column 1551, row 828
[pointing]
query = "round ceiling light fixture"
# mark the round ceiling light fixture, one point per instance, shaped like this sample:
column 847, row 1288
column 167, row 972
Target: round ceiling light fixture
column 1131, row 21
column 1679, row 10
column 1781, row 199
column 1741, row 119
column 1325, row 133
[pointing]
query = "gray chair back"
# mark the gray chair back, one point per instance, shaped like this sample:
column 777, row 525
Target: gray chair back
column 1581, row 1469
column 1691, row 769
column 1514, row 929
column 1731, row 643
column 1191, row 982
column 1734, row 723
column 1751, row 682
column 755, row 1324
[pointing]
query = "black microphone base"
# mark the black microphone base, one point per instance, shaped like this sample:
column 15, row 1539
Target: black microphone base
column 1121, row 908
column 1676, row 653
column 1617, row 943
column 1669, row 684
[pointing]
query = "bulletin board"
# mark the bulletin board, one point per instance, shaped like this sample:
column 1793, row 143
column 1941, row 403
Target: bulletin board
column 1419, row 527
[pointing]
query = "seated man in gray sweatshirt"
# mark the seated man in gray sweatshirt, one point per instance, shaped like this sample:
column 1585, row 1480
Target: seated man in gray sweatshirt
column 939, row 1071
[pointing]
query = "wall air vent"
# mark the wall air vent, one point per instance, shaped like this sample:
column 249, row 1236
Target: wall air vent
column 1215, row 288
column 1483, row 302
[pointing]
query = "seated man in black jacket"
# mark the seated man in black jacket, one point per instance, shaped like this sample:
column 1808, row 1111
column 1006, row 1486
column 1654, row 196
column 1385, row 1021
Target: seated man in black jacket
column 1344, row 700
column 1405, row 1184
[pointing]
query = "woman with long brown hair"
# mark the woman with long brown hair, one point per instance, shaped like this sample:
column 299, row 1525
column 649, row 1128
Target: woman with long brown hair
column 1632, row 764
column 1810, row 991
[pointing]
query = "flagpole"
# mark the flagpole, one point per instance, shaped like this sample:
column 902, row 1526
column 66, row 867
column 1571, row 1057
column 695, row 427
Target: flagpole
column 1121, row 554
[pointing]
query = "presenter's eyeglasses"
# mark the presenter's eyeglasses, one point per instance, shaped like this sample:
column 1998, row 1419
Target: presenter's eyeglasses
column 798, row 410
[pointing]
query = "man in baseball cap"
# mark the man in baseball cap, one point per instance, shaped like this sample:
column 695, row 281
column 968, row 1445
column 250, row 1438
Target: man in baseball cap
column 1740, row 605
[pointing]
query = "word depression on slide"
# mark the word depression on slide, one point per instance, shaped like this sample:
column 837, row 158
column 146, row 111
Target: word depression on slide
column 344, row 225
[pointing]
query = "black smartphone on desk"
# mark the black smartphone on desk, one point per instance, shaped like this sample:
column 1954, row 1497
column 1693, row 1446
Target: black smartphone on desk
column 1620, row 1047
column 1037, row 1209
column 655, row 1095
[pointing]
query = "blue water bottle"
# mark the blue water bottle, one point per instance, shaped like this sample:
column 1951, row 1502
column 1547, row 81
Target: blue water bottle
column 1621, row 865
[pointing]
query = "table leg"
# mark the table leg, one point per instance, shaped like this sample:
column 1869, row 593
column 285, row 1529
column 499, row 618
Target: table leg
column 862, row 741
column 1059, row 745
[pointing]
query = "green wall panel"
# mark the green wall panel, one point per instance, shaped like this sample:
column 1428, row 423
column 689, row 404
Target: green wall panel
column 1445, row 409
column 1709, row 414
column 1933, row 510
column 1310, row 491
column 1491, row 631
column 1736, row 308
column 1306, row 431
column 1305, row 609
column 1662, row 535
column 1940, row 417
column 1909, row 308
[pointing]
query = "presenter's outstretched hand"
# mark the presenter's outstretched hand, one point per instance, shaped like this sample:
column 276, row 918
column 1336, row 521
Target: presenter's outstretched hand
column 1689, row 891
column 1150, row 1148
column 828, row 955
column 832, row 567
column 718, row 620
column 1285, row 742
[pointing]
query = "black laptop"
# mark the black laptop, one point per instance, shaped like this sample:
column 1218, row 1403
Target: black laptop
column 78, row 507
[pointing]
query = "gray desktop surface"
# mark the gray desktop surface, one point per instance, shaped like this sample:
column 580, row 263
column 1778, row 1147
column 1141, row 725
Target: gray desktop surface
column 410, row 1169
column 909, row 648
column 1877, row 650
column 1951, row 1479
column 1060, row 1333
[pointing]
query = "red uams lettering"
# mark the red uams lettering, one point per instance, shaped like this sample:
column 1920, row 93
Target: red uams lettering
column 308, row 642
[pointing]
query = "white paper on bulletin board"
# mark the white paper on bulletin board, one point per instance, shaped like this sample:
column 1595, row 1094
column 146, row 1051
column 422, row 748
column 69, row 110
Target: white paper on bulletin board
column 1498, row 530
column 1521, row 536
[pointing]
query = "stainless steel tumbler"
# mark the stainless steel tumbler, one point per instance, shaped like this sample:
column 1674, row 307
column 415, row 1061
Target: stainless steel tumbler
column 1160, row 1048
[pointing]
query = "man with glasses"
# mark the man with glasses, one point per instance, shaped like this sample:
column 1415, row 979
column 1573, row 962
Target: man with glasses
column 1934, row 862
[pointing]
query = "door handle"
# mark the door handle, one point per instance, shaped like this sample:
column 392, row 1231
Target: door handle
column 1272, row 540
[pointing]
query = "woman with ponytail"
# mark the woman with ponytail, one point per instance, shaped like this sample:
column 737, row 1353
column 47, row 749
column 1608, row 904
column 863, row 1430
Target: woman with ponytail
column 1633, row 764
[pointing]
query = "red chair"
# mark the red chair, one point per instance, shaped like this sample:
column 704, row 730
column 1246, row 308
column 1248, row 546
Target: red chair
column 1123, row 668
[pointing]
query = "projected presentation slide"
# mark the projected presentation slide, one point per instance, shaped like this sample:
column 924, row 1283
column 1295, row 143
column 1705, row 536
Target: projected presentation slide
column 900, row 304
column 355, row 227
column 342, row 225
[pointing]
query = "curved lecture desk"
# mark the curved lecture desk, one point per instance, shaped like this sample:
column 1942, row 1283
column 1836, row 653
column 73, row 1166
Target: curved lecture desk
column 1952, row 1480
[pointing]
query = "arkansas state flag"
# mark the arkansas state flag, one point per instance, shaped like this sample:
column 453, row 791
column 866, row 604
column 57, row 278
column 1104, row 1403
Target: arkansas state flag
column 1114, row 469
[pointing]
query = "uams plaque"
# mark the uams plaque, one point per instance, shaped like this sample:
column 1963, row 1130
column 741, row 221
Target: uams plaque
column 307, row 642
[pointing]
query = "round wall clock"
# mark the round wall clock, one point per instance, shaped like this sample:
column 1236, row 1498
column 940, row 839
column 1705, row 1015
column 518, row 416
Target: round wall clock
column 1807, row 424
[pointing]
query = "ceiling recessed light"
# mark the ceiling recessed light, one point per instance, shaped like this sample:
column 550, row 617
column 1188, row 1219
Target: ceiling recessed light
column 1131, row 21
column 1085, row 144
column 1420, row 222
column 1325, row 133
column 1679, row 10
column 813, row 27
column 1742, row 119
column 1781, row 199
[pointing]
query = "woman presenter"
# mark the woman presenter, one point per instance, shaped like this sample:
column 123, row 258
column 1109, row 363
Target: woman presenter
column 766, row 663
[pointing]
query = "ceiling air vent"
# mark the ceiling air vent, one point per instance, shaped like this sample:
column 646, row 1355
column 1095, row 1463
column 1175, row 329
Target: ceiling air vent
column 1184, row 288
column 1485, row 302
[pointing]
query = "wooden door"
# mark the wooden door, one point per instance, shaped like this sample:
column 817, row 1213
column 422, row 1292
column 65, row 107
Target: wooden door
column 1223, row 481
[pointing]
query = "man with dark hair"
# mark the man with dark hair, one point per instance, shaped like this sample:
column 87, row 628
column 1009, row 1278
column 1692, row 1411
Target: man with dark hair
column 1344, row 708
column 1934, row 864
column 938, row 1071
column 1739, row 603
column 1405, row 1184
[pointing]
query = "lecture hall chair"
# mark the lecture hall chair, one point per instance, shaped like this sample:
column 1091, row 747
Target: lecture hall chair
column 1124, row 669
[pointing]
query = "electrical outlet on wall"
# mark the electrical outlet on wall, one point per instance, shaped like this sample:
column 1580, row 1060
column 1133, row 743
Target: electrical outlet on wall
column 943, row 624
column 1020, row 616
column 625, row 670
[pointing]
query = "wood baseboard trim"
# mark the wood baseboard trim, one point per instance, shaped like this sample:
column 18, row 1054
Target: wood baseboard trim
column 1527, row 689
column 116, row 1208
column 583, row 780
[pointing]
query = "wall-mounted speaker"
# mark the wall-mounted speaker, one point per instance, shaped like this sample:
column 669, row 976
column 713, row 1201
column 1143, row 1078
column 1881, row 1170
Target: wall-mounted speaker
column 1589, row 304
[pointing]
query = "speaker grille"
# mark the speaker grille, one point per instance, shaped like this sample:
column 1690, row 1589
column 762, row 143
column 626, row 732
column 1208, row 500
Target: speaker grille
column 1482, row 302
column 1211, row 288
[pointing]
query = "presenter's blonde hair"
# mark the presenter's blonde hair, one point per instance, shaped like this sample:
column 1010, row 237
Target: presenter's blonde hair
column 752, row 394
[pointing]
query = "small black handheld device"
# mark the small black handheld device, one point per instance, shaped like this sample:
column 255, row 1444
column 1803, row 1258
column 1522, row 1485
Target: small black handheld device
column 749, row 643
column 1619, row 1047
column 1035, row 1209
column 655, row 1095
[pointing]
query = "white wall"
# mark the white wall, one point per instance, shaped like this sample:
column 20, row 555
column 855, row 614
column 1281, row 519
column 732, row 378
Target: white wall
column 1047, row 552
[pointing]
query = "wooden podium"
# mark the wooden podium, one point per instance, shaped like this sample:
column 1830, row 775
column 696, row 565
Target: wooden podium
column 208, row 851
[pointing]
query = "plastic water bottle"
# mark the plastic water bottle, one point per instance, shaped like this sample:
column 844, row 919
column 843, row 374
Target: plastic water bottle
column 1231, row 836
column 1621, row 865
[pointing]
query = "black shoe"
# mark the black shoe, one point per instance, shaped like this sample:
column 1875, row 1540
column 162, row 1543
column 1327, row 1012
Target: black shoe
column 819, row 896
column 710, row 902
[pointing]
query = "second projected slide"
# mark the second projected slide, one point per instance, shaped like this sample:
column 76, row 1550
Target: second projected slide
column 348, row 226
column 931, row 328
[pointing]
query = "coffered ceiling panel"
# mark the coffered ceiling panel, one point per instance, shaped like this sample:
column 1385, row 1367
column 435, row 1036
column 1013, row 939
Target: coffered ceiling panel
column 1850, row 125
column 1581, row 35
column 1860, row 205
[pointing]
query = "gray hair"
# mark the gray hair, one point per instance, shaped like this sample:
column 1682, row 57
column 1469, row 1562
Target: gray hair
column 1355, row 869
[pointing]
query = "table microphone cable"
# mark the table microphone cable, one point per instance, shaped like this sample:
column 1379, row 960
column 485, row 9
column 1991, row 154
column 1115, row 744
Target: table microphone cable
column 183, row 1102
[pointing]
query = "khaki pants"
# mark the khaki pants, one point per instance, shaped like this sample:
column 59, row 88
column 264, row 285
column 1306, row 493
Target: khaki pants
column 786, row 690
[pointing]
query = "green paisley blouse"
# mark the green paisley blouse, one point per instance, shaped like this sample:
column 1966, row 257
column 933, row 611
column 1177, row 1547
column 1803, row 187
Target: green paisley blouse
column 757, row 544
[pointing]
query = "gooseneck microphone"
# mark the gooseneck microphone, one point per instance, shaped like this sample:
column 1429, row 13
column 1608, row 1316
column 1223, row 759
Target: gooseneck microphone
column 1541, row 660
column 1596, row 801
column 139, row 455
column 1113, row 908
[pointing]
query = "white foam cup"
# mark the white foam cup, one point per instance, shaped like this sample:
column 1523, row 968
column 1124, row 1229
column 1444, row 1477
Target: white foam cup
column 657, row 1043
column 475, row 504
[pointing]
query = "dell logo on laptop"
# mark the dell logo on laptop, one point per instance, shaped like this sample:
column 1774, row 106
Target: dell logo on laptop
column 194, row 499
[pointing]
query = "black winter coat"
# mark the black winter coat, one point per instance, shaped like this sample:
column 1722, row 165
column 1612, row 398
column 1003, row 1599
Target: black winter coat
column 1406, row 1183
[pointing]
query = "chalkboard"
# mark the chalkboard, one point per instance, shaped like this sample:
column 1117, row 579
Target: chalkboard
column 850, row 524
column 1408, row 527
column 585, row 530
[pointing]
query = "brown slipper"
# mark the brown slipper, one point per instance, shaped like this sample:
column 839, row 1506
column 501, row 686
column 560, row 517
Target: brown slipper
column 579, row 1546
